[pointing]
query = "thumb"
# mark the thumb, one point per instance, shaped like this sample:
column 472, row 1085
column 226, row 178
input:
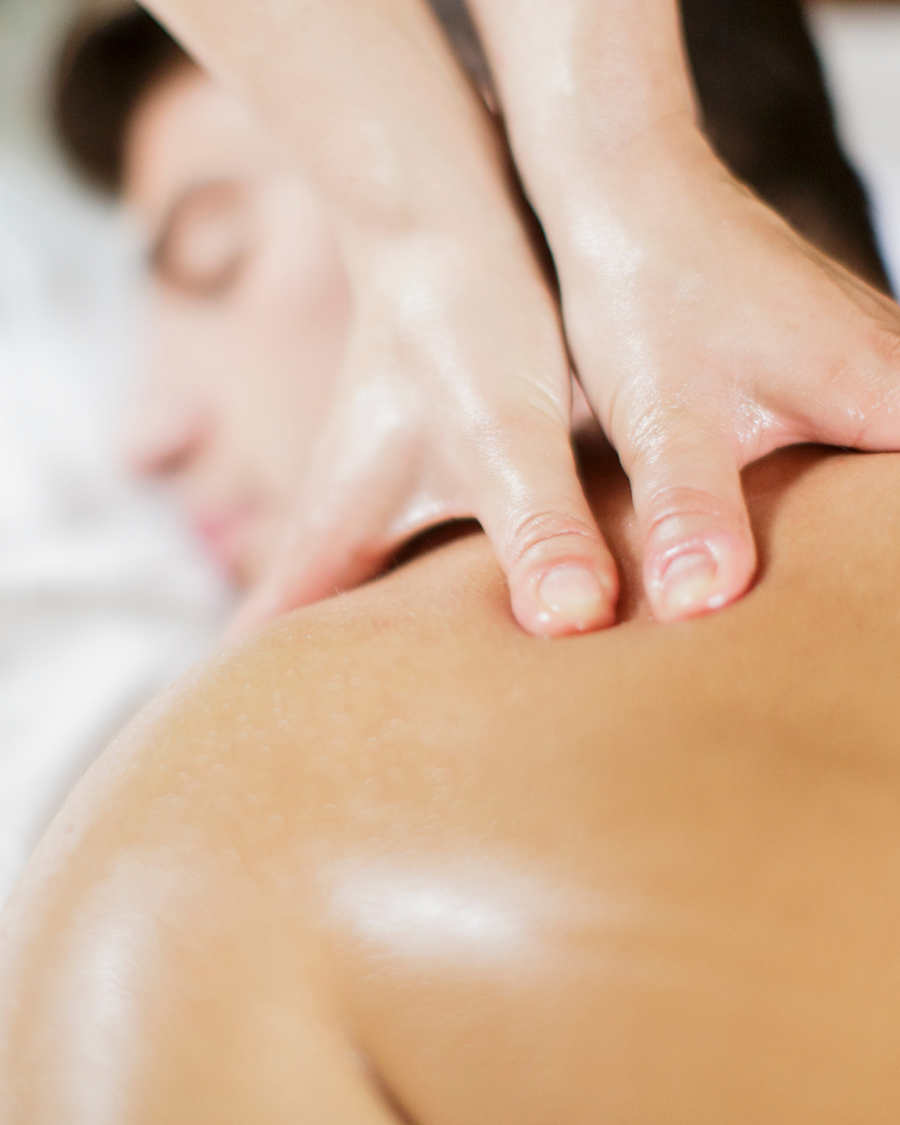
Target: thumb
column 698, row 546
column 562, row 577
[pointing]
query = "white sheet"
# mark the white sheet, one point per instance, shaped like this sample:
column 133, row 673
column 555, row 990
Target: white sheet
column 103, row 595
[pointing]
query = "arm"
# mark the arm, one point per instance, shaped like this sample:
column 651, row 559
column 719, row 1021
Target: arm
column 581, row 80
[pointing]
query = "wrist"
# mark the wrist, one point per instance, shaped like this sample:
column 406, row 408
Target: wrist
column 575, row 158
column 442, row 258
column 449, row 177
column 592, row 203
column 473, row 217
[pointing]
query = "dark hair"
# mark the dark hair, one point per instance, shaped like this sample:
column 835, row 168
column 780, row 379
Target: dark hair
column 105, row 68
column 767, row 113
column 759, row 83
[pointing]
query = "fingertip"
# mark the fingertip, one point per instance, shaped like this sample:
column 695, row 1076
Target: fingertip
column 258, row 608
column 569, row 598
column 699, row 576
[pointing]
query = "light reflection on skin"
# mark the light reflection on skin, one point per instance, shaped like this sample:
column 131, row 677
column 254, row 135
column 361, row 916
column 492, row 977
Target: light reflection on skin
column 112, row 955
column 473, row 911
column 419, row 916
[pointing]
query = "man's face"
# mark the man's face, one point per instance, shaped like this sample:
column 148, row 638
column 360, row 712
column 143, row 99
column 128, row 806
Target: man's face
column 250, row 315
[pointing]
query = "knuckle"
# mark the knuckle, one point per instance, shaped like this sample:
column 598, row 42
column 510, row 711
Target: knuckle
column 648, row 435
column 672, row 507
column 885, row 343
column 520, row 429
column 864, row 399
column 636, row 425
column 541, row 530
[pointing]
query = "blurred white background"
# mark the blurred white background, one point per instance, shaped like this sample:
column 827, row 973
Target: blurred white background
column 860, row 46
column 103, row 595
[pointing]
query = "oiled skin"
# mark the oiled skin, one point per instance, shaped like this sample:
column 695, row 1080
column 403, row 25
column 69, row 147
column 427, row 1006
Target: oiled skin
column 393, row 859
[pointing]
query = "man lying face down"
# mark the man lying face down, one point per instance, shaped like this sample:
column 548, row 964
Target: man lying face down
column 392, row 860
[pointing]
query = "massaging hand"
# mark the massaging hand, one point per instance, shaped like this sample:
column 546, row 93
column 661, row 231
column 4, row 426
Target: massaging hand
column 704, row 333
column 455, row 401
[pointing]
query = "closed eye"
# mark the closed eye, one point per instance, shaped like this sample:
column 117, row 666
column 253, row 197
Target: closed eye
column 205, row 240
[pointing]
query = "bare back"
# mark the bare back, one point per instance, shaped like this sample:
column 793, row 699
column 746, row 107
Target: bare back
column 393, row 860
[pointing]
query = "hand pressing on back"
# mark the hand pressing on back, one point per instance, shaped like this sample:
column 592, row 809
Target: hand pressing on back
column 456, row 390
column 454, row 401
column 704, row 332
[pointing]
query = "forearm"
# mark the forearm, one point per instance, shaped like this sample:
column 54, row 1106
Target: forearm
column 368, row 97
column 582, row 80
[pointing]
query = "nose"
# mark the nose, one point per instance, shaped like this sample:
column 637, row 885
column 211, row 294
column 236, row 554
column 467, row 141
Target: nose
column 164, row 430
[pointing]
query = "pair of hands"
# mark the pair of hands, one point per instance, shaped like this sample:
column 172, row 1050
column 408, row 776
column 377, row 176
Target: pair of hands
column 703, row 331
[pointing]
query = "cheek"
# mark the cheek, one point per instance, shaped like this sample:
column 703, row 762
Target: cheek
column 264, row 359
column 295, row 329
column 192, row 342
column 296, row 311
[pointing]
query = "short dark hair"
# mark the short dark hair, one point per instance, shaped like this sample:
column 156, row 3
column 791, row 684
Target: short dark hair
column 106, row 67
column 762, row 95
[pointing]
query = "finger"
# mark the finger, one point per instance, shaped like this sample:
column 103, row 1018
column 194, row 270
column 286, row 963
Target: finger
column 562, row 577
column 699, row 553
column 860, row 407
column 312, row 564
column 854, row 399
column 334, row 542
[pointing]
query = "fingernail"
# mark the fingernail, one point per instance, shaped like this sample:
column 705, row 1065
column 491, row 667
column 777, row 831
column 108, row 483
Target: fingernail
column 690, row 583
column 573, row 593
